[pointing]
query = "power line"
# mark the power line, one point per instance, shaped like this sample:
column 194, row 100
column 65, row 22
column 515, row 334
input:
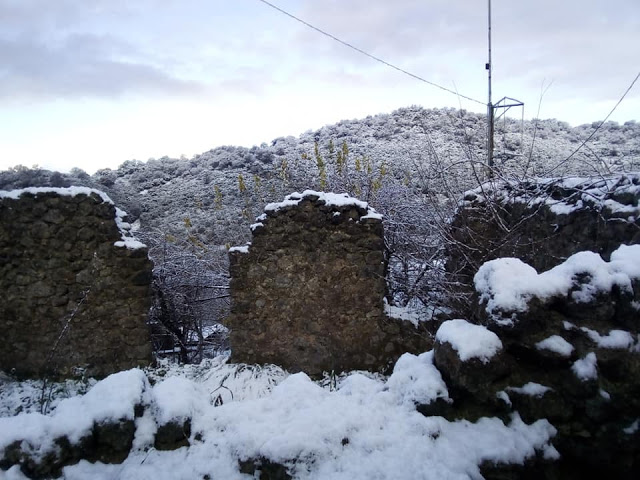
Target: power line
column 377, row 59
column 600, row 125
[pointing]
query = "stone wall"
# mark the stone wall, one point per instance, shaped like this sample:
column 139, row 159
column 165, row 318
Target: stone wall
column 307, row 294
column 75, row 286
column 565, row 347
column 566, row 321
column 113, row 413
column 542, row 222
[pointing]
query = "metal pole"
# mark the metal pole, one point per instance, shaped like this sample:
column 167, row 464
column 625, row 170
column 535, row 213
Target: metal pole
column 489, row 105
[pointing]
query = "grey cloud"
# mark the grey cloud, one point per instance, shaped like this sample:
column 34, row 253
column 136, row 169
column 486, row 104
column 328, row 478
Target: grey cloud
column 81, row 66
column 398, row 29
column 61, row 13
column 410, row 24
column 589, row 45
column 54, row 49
column 243, row 80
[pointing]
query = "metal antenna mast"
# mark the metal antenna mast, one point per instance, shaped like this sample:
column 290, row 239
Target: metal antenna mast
column 489, row 104
column 491, row 108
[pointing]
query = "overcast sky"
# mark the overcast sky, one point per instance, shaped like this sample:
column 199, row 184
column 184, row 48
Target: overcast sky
column 92, row 83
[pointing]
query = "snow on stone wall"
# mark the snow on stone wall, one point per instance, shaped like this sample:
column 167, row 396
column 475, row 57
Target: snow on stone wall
column 543, row 221
column 75, row 284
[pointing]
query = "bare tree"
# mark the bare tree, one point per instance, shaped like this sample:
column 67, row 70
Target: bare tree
column 190, row 296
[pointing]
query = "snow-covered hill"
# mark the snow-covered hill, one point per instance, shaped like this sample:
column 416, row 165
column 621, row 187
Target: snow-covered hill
column 414, row 146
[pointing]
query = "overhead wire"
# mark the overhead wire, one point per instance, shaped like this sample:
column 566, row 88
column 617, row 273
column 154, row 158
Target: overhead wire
column 599, row 125
column 433, row 84
column 373, row 57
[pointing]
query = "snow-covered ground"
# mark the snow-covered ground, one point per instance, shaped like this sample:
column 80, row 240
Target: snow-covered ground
column 355, row 426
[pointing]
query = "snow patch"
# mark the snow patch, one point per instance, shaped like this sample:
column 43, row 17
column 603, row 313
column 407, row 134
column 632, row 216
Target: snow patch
column 125, row 228
column 504, row 396
column 240, row 249
column 128, row 241
column 633, row 428
column 26, row 396
column 531, row 389
column 177, row 398
column 146, row 429
column 65, row 192
column 507, row 284
column 289, row 201
column 416, row 380
column 109, row 400
column 372, row 214
column 403, row 313
column 366, row 428
column 556, row 344
column 469, row 340
column 587, row 193
column 586, row 368
column 336, row 200
column 561, row 208
column 615, row 338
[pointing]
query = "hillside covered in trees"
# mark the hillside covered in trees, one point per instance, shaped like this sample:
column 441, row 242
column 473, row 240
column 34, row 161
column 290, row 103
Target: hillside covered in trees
column 423, row 150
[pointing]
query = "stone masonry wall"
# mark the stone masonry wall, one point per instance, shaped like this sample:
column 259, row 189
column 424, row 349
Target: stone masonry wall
column 568, row 352
column 307, row 294
column 75, row 287
column 542, row 222
column 568, row 327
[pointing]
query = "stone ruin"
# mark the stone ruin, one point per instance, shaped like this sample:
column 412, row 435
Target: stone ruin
column 75, row 285
column 551, row 270
column 562, row 346
column 308, row 292
column 543, row 222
